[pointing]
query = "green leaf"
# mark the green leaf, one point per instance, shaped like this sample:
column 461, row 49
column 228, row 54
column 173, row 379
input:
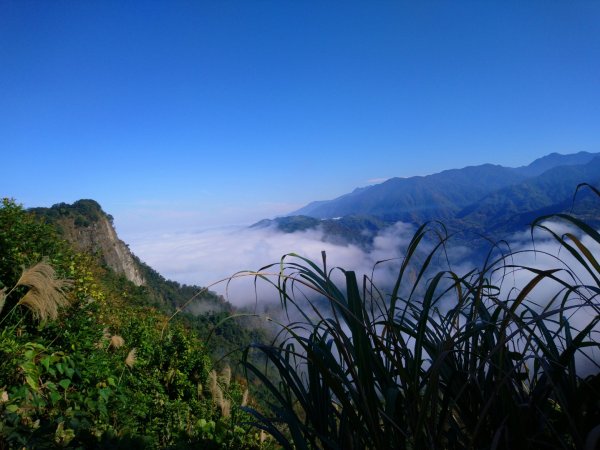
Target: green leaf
column 65, row 383
column 46, row 362
column 54, row 397
column 32, row 382
column 12, row 408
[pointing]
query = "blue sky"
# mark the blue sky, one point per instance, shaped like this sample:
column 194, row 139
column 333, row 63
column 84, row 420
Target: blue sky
column 206, row 113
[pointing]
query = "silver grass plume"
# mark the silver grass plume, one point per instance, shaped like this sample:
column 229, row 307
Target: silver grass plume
column 226, row 376
column 2, row 298
column 245, row 398
column 225, row 408
column 46, row 293
column 213, row 387
column 131, row 358
column 116, row 341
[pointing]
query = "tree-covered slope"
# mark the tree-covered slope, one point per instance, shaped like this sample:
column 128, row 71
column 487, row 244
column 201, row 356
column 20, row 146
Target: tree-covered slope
column 433, row 196
column 540, row 165
column 86, row 362
column 348, row 229
column 515, row 206
column 479, row 200
column 443, row 195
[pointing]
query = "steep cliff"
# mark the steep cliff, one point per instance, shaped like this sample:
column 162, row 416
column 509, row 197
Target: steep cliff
column 90, row 229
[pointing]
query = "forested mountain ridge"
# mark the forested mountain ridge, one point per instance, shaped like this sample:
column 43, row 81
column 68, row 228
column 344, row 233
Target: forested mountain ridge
column 550, row 192
column 443, row 194
column 488, row 199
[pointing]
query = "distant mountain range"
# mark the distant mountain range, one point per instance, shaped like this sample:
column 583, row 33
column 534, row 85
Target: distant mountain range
column 487, row 200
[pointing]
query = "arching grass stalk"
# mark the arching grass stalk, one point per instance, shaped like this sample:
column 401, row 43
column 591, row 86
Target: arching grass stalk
column 445, row 361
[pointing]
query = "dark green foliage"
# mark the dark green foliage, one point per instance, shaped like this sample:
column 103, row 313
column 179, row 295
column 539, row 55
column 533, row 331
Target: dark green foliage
column 170, row 295
column 227, row 335
column 443, row 361
column 84, row 212
column 24, row 240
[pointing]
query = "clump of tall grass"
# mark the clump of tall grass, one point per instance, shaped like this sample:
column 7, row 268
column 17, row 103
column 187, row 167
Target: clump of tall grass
column 443, row 361
column 215, row 383
column 46, row 292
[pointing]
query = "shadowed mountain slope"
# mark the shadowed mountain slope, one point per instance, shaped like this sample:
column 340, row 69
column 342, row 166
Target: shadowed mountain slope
column 486, row 200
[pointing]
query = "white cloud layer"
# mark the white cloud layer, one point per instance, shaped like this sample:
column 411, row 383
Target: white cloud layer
column 207, row 256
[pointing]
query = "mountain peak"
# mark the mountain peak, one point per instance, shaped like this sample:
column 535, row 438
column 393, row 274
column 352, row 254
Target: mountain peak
column 90, row 229
column 443, row 195
column 553, row 160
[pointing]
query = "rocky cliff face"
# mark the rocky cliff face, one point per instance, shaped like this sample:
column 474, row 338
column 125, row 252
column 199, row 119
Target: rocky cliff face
column 91, row 230
column 101, row 237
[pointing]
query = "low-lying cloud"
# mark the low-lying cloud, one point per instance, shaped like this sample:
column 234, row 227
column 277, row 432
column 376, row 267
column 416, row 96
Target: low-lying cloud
column 205, row 257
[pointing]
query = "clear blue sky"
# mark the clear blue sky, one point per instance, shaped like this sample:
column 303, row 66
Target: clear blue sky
column 214, row 112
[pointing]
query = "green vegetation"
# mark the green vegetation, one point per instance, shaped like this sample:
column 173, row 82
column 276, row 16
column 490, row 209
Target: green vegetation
column 444, row 361
column 85, row 363
column 166, row 295
column 84, row 212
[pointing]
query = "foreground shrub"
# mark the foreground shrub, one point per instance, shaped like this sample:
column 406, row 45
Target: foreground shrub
column 443, row 361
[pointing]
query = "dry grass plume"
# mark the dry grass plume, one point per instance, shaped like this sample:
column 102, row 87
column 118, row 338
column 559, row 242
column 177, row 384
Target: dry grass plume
column 2, row 298
column 131, row 358
column 116, row 341
column 225, row 378
column 46, row 293
column 245, row 398
column 225, row 408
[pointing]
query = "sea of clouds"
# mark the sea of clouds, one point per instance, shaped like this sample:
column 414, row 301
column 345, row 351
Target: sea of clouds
column 210, row 257
column 205, row 257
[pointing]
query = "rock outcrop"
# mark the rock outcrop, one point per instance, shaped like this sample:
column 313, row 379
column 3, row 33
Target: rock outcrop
column 90, row 229
column 100, row 237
